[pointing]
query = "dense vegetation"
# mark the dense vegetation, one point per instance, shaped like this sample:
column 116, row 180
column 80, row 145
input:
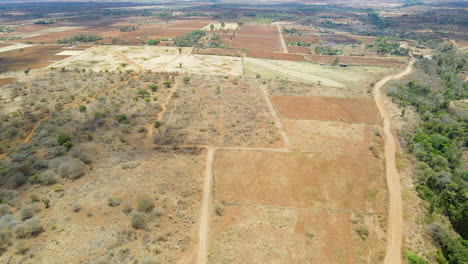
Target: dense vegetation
column 327, row 50
column 439, row 142
column 388, row 46
column 190, row 39
column 79, row 38
column 128, row 29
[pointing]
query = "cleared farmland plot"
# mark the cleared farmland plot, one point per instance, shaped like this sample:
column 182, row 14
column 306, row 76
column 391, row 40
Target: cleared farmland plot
column 297, row 208
column 168, row 59
column 312, row 73
column 328, row 109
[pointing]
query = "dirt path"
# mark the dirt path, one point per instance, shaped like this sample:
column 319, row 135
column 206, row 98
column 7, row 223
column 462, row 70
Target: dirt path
column 395, row 220
column 150, row 127
column 278, row 123
column 127, row 60
column 204, row 218
column 285, row 49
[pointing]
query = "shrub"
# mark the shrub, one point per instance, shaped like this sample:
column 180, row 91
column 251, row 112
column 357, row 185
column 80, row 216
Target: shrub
column 363, row 232
column 65, row 140
column 145, row 204
column 186, row 79
column 26, row 212
column 121, row 118
column 29, row 228
column 414, row 259
column 82, row 108
column 157, row 124
column 72, row 169
column 46, row 178
column 76, row 208
column 219, row 209
column 113, row 202
column 83, row 156
column 8, row 221
column 153, row 87
column 4, row 209
column 5, row 240
column 18, row 179
column 127, row 209
column 167, row 84
column 8, row 196
column 139, row 220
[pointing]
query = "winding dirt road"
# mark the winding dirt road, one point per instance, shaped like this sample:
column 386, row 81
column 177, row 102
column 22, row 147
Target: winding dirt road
column 395, row 221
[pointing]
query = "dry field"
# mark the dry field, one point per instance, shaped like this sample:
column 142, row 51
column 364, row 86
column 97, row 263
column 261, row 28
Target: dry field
column 153, row 59
column 297, row 208
column 349, row 110
column 257, row 37
column 34, row 57
column 358, row 60
column 346, row 78
column 297, row 171
column 219, row 112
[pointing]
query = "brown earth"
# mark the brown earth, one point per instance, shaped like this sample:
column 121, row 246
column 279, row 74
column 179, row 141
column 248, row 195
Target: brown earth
column 296, row 180
column 4, row 81
column 297, row 49
column 352, row 110
column 333, row 138
column 33, row 57
column 258, row 37
column 297, row 208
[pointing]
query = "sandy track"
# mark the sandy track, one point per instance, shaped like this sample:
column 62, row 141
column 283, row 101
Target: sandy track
column 127, row 60
column 283, row 44
column 278, row 123
column 395, row 221
column 203, row 230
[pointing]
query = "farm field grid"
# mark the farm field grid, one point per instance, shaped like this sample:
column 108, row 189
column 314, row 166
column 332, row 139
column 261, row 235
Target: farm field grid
column 196, row 132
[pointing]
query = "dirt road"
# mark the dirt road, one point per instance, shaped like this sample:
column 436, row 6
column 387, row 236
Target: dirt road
column 395, row 220
column 283, row 44
column 203, row 231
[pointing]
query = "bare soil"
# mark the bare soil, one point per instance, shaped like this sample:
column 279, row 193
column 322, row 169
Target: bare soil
column 328, row 109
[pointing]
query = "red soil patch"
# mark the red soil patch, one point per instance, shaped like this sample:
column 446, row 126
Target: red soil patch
column 4, row 81
column 275, row 56
column 4, row 44
column 257, row 37
column 33, row 57
column 297, row 49
column 355, row 60
column 350, row 110
column 296, row 180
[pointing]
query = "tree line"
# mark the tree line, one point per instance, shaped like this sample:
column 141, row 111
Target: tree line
column 439, row 142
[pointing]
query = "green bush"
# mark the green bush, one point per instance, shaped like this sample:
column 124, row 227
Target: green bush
column 121, row 118
column 153, row 87
column 414, row 259
column 65, row 140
